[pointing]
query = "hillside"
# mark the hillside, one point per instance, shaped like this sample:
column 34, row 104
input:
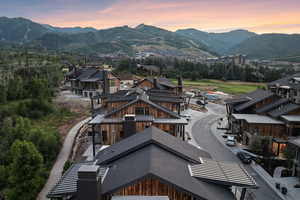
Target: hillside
column 19, row 30
column 269, row 46
column 217, row 42
column 117, row 40
column 127, row 41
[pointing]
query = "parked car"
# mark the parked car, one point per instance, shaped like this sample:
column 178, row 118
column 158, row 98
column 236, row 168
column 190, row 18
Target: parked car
column 244, row 157
column 199, row 102
column 230, row 141
column 187, row 117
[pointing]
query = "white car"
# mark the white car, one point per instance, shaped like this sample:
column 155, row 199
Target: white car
column 230, row 141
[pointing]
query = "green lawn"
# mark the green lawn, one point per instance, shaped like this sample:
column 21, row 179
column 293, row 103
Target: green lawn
column 230, row 87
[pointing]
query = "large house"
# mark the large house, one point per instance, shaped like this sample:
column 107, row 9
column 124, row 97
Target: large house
column 161, row 83
column 264, row 113
column 152, row 165
column 132, row 111
column 91, row 81
column 288, row 87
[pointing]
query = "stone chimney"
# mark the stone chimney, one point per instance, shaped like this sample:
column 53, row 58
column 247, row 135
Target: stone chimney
column 89, row 183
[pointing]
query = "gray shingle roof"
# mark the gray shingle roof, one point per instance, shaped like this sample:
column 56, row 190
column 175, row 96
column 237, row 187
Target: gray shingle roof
column 255, row 97
column 282, row 110
column 154, row 162
column 256, row 119
column 151, row 135
column 271, row 105
column 286, row 82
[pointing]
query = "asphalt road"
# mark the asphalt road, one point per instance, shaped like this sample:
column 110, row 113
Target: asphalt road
column 207, row 140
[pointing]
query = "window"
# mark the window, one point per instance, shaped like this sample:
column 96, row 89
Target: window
column 141, row 111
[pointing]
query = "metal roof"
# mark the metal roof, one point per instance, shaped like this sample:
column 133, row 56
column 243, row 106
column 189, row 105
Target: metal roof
column 256, row 119
column 282, row 110
column 291, row 118
column 100, row 119
column 170, row 121
column 139, row 198
column 224, row 173
column 271, row 105
column 295, row 141
column 67, row 184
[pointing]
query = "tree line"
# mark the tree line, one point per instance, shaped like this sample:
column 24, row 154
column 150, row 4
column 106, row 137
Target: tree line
column 171, row 68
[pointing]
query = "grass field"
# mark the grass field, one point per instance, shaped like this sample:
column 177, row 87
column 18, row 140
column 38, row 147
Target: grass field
column 230, row 87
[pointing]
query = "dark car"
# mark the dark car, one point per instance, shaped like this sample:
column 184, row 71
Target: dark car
column 199, row 102
column 244, row 157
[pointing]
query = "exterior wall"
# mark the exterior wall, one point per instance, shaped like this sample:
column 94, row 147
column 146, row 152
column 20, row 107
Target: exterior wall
column 131, row 110
column 273, row 130
column 114, row 132
column 114, row 83
column 152, row 187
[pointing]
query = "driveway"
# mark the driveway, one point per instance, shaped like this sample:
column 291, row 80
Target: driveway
column 207, row 140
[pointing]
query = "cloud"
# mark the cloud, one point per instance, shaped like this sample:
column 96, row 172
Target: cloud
column 170, row 14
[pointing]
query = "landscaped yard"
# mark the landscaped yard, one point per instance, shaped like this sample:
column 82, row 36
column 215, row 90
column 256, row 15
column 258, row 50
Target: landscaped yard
column 230, row 87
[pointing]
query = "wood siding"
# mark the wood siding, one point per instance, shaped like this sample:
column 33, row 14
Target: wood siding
column 152, row 187
column 114, row 132
column 131, row 110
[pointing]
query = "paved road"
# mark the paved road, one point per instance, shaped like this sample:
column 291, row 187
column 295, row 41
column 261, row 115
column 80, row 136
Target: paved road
column 218, row 151
column 62, row 157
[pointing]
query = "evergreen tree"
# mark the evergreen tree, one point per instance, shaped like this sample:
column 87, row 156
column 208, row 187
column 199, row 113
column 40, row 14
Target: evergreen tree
column 24, row 171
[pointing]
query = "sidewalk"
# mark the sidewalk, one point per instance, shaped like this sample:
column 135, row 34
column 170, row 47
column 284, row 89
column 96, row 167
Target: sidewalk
column 62, row 157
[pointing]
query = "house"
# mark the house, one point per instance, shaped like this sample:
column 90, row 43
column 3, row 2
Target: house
column 161, row 83
column 128, row 80
column 295, row 142
column 134, row 112
column 91, row 81
column 152, row 164
column 287, row 87
column 263, row 113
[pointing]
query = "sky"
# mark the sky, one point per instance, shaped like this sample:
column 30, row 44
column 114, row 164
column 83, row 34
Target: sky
column 261, row 16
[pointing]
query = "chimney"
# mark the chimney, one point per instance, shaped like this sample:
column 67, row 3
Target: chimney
column 89, row 183
column 106, row 82
column 180, row 86
column 129, row 126
column 155, row 82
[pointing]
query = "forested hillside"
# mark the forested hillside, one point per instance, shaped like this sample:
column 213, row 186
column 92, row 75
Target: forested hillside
column 269, row 46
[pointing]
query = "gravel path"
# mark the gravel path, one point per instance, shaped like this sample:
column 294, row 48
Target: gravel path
column 62, row 157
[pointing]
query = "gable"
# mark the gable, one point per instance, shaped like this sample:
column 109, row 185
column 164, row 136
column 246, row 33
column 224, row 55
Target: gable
column 154, row 111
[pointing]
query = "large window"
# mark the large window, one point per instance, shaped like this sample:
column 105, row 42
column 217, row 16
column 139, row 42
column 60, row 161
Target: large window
column 141, row 111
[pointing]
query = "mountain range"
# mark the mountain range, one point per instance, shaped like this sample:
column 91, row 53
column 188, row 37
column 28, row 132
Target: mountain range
column 184, row 43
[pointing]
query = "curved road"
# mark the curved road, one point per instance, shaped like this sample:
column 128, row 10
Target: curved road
column 207, row 140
